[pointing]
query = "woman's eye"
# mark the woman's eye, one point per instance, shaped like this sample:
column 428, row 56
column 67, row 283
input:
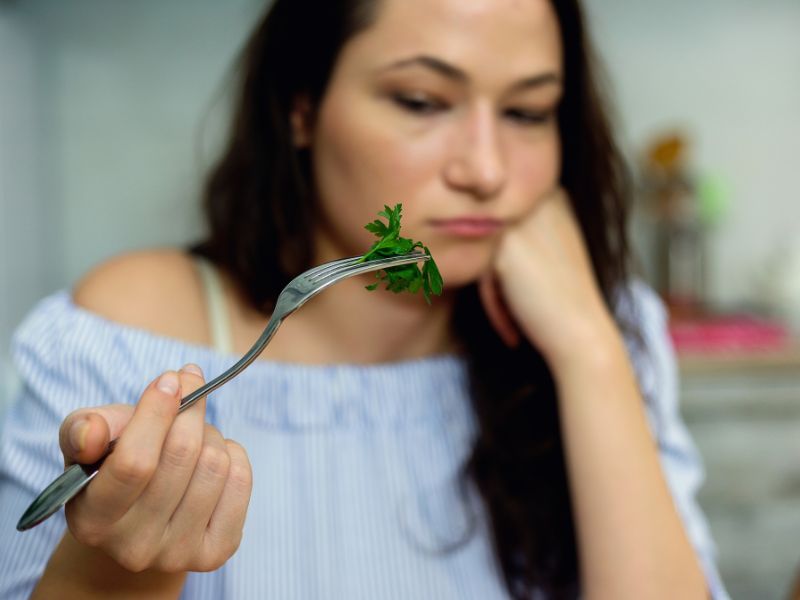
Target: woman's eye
column 530, row 117
column 423, row 105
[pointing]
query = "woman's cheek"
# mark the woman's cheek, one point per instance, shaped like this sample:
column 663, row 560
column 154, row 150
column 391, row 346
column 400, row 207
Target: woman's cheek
column 536, row 173
column 377, row 167
column 347, row 177
column 407, row 163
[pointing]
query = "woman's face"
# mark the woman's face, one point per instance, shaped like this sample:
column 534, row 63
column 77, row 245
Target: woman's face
column 448, row 107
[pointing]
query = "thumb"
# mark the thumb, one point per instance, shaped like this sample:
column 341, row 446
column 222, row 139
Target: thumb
column 85, row 433
column 497, row 311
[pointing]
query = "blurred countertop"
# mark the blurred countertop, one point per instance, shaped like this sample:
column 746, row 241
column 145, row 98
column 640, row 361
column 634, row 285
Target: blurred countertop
column 784, row 361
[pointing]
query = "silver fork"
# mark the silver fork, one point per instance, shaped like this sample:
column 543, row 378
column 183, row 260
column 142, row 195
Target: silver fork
column 296, row 293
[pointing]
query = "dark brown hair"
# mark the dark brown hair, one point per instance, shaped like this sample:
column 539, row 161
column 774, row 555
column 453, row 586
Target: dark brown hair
column 259, row 206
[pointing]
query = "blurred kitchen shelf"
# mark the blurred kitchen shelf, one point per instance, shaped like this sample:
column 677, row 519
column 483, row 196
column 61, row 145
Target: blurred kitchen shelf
column 765, row 362
column 741, row 381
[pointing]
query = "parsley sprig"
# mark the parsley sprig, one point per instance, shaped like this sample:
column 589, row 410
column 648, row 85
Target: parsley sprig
column 405, row 277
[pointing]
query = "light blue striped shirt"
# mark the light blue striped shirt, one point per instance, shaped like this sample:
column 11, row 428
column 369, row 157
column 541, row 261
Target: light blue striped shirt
column 355, row 466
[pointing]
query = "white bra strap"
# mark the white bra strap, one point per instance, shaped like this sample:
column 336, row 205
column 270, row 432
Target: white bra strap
column 218, row 320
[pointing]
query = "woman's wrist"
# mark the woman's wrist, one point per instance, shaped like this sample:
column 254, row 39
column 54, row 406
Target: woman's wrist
column 79, row 571
column 591, row 348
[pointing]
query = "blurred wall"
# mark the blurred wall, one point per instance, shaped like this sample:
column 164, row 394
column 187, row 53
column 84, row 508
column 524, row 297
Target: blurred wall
column 109, row 113
column 27, row 233
column 728, row 72
column 132, row 88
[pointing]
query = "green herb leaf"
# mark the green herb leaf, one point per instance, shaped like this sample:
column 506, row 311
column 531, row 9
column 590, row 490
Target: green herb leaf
column 431, row 274
column 404, row 278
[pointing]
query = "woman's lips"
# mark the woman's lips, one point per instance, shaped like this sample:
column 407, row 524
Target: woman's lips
column 471, row 227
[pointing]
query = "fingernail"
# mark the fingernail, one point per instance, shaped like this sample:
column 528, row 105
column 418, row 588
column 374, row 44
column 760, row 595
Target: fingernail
column 169, row 383
column 192, row 368
column 77, row 434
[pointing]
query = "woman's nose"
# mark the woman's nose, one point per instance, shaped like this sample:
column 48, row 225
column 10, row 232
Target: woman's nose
column 476, row 164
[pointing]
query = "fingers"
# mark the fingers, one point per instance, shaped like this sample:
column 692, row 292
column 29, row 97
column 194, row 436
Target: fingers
column 85, row 433
column 227, row 522
column 173, row 495
column 497, row 312
column 128, row 470
column 178, row 459
column 188, row 523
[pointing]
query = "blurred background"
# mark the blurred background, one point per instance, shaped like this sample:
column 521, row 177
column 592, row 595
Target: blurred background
column 111, row 111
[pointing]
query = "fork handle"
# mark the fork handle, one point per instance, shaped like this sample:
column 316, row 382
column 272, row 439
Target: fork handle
column 62, row 489
column 76, row 477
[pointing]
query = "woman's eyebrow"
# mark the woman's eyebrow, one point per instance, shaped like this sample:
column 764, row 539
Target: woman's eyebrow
column 537, row 81
column 430, row 62
column 452, row 72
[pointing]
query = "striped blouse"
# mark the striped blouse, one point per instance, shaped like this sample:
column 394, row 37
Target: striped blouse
column 355, row 466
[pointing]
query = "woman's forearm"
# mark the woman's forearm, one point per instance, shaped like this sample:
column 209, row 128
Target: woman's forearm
column 80, row 572
column 631, row 540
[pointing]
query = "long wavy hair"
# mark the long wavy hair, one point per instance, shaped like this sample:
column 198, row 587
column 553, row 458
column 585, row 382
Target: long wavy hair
column 260, row 206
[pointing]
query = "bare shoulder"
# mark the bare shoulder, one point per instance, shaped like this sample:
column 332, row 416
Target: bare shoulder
column 157, row 290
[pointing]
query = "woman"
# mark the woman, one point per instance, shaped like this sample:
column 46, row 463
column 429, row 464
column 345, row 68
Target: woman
column 493, row 444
